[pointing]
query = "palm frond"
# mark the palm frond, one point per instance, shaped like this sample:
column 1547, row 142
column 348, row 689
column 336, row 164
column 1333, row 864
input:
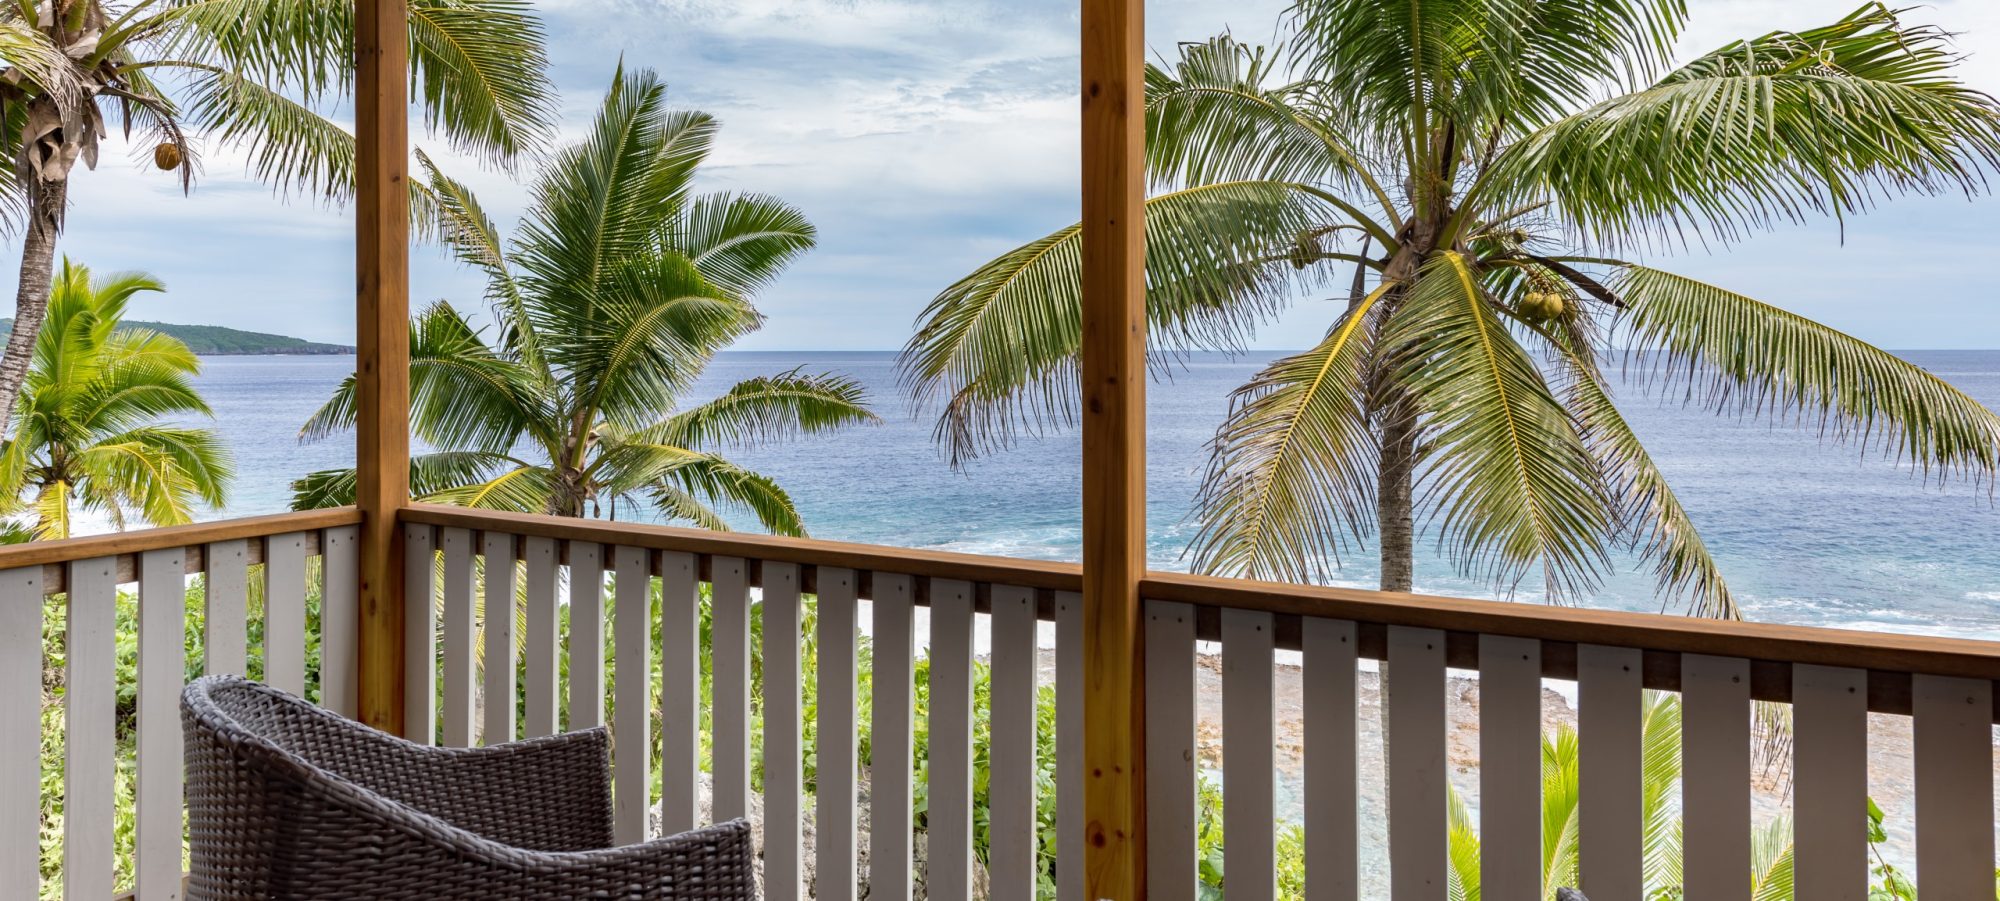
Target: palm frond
column 741, row 242
column 1738, row 355
column 289, row 144
column 654, row 333
column 1682, row 564
column 1293, row 467
column 608, row 199
column 767, row 409
column 481, row 73
column 1824, row 121
column 1215, row 117
column 677, row 505
column 430, row 475
column 717, row 481
column 524, row 488
column 1505, row 472
column 463, row 395
column 996, row 352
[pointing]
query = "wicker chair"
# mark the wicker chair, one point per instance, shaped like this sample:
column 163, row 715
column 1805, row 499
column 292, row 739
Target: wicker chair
column 286, row 800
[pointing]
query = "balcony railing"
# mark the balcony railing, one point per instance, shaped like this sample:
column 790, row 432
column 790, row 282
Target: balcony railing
column 465, row 685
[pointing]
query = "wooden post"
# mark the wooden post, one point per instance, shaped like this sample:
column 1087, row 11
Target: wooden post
column 382, row 345
column 1114, row 446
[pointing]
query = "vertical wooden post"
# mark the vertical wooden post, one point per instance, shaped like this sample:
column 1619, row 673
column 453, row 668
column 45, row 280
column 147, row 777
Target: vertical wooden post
column 382, row 345
column 1114, row 446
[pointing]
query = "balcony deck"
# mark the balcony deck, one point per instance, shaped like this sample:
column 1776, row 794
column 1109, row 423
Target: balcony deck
column 565, row 575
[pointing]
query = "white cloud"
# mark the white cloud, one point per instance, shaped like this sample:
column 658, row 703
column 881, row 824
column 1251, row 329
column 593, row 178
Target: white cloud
column 923, row 137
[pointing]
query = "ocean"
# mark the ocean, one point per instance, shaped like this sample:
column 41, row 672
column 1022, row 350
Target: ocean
column 1807, row 533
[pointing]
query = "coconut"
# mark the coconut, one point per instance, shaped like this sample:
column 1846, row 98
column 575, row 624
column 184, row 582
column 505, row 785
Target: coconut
column 167, row 156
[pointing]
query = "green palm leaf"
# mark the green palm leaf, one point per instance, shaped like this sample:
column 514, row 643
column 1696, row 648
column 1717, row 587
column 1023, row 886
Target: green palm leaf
column 1825, row 120
column 1745, row 356
column 997, row 351
column 774, row 408
column 1507, row 474
column 741, row 243
column 1294, row 464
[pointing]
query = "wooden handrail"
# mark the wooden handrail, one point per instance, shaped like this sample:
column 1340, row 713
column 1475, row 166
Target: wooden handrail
column 127, row 547
column 1773, row 642
column 51, row 555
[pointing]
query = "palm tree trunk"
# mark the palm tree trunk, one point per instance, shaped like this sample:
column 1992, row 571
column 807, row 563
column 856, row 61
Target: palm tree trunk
column 1394, row 508
column 31, row 301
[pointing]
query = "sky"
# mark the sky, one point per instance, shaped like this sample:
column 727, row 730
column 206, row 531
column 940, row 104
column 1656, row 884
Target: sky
column 924, row 137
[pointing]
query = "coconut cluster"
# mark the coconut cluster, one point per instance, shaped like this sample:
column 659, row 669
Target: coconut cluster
column 1540, row 306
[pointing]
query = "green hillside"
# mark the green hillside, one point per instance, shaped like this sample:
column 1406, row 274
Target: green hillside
column 215, row 340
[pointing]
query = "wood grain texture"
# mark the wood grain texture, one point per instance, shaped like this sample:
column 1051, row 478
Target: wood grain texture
column 382, row 346
column 1113, row 369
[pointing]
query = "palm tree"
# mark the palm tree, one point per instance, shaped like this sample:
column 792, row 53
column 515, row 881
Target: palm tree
column 620, row 287
column 92, row 431
column 1477, row 165
column 250, row 74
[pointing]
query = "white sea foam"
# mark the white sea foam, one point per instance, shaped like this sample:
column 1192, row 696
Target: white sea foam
column 1983, row 596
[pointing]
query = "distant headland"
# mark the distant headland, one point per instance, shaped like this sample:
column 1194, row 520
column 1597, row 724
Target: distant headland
column 217, row 341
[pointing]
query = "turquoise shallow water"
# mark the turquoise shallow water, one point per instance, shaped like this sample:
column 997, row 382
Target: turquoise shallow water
column 1806, row 533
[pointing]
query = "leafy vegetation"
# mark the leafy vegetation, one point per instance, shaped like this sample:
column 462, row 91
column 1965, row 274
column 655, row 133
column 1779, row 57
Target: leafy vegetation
column 89, row 431
column 259, row 76
column 620, row 288
column 1463, row 172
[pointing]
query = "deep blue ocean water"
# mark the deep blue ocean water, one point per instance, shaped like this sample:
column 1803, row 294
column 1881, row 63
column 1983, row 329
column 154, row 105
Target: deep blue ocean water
column 1806, row 533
